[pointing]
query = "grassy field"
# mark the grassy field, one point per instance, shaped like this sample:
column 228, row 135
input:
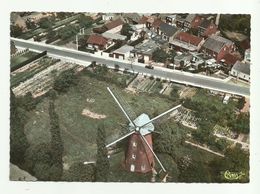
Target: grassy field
column 79, row 131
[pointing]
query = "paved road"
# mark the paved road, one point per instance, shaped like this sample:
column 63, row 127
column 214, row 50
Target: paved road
column 173, row 75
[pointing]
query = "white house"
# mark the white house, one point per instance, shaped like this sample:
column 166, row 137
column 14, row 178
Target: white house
column 241, row 70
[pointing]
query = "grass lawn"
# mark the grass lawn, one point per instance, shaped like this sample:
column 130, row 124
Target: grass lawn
column 79, row 131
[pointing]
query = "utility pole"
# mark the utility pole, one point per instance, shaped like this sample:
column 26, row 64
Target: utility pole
column 131, row 59
column 81, row 32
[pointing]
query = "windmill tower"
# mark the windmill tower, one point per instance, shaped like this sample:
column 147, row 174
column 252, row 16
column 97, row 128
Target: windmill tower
column 139, row 156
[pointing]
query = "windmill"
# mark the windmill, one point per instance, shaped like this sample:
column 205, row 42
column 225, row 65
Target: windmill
column 140, row 155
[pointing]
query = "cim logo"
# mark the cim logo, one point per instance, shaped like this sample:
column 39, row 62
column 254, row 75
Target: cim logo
column 233, row 175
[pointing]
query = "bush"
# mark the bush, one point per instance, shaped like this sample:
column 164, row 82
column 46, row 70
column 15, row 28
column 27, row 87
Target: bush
column 64, row 81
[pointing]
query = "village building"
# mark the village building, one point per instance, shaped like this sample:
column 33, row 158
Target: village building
column 207, row 28
column 191, row 21
column 114, row 26
column 123, row 52
column 171, row 19
column 217, row 47
column 166, row 31
column 143, row 51
column 241, row 70
column 186, row 42
column 113, row 36
column 98, row 42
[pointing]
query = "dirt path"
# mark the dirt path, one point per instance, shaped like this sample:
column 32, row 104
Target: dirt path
column 204, row 148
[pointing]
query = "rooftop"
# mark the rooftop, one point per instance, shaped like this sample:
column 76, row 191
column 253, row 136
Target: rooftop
column 141, row 120
column 113, row 36
column 97, row 39
column 190, row 17
column 242, row 67
column 124, row 49
column 168, row 29
column 114, row 24
column 216, row 43
column 189, row 38
column 147, row 47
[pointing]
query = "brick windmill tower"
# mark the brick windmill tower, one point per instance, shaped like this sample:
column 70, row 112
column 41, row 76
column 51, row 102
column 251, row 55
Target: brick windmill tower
column 139, row 156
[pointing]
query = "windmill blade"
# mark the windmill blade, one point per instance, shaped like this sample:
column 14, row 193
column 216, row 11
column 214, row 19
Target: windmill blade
column 121, row 138
column 157, row 117
column 143, row 138
column 121, row 107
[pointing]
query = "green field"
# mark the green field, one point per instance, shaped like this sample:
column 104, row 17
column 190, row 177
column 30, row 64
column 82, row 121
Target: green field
column 79, row 131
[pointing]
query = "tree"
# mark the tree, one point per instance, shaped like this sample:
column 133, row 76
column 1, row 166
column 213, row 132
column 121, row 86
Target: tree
column 56, row 143
column 63, row 81
column 18, row 140
column 16, row 30
column 85, row 21
column 195, row 172
column 45, row 23
column 242, row 123
column 235, row 160
column 241, row 103
column 102, row 163
column 159, row 55
column 80, row 172
column 126, row 30
column 30, row 24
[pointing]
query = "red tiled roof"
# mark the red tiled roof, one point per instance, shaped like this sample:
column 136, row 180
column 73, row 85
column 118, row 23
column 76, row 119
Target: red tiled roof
column 97, row 40
column 189, row 38
column 230, row 59
column 114, row 24
column 143, row 20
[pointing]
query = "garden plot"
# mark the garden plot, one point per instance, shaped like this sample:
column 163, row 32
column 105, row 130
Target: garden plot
column 188, row 92
column 185, row 117
column 142, row 84
column 21, row 57
column 42, row 81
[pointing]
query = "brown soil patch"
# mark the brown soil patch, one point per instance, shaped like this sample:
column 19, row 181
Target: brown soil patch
column 93, row 115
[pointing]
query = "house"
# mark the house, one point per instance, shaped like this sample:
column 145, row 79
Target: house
column 186, row 42
column 143, row 20
column 207, row 28
column 132, row 18
column 217, row 47
column 114, row 26
column 143, row 51
column 179, row 20
column 139, row 30
column 154, row 24
column 167, row 31
column 191, row 21
column 229, row 60
column 113, row 36
column 123, row 52
column 241, row 70
column 170, row 19
column 108, row 16
column 98, row 42
column 183, row 59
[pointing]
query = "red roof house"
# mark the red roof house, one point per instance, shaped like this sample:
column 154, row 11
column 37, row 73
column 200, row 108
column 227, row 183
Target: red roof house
column 114, row 26
column 186, row 42
column 97, row 41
